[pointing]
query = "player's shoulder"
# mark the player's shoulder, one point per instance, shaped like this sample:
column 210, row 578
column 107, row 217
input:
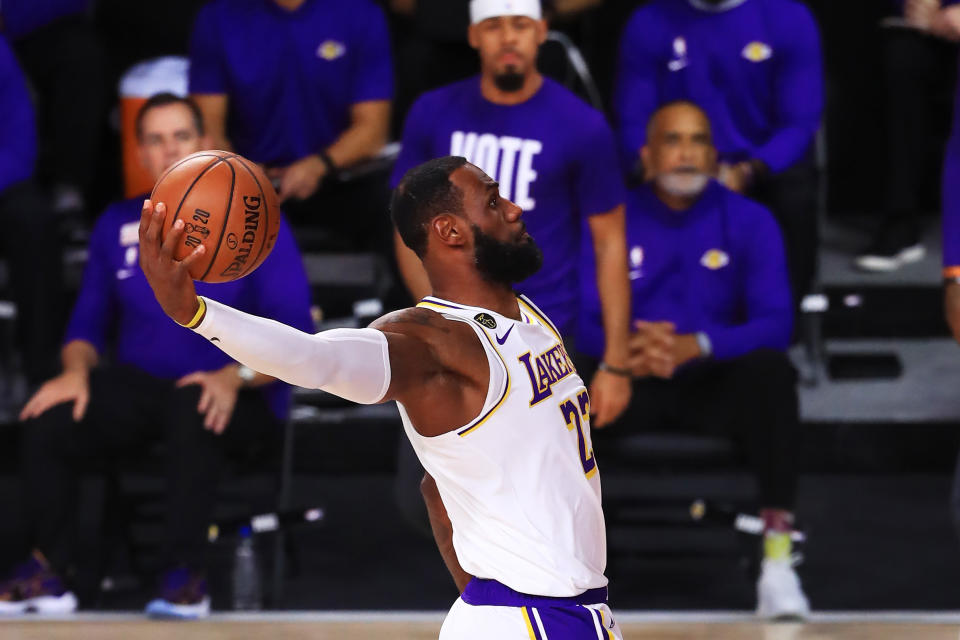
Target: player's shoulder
column 571, row 108
column 789, row 17
column 455, row 92
column 651, row 15
column 412, row 321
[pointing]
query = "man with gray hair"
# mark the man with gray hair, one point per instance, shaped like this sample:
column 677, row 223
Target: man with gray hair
column 712, row 321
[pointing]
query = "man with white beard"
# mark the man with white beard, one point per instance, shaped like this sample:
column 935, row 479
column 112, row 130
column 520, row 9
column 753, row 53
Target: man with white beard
column 712, row 317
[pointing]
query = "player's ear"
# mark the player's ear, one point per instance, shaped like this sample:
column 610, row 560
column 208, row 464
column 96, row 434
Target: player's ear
column 449, row 229
column 472, row 36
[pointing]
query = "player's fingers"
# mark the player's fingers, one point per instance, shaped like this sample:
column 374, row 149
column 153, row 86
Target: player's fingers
column 155, row 226
column 195, row 255
column 80, row 406
column 206, row 401
column 190, row 378
column 146, row 214
column 172, row 240
column 223, row 417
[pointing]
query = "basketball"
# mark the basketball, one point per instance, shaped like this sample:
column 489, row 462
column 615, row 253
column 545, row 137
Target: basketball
column 227, row 205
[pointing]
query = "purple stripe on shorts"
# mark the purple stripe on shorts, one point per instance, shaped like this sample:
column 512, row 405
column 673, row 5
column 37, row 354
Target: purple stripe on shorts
column 480, row 592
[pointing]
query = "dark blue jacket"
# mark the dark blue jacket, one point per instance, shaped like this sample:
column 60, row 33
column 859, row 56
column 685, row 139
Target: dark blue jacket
column 718, row 267
column 755, row 69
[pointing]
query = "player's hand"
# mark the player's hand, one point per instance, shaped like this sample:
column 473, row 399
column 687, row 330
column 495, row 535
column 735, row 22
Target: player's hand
column 652, row 349
column 301, row 179
column 951, row 307
column 218, row 395
column 609, row 397
column 169, row 277
column 70, row 386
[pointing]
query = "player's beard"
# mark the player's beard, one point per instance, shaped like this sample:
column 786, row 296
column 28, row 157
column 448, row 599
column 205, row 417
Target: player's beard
column 684, row 183
column 510, row 80
column 505, row 262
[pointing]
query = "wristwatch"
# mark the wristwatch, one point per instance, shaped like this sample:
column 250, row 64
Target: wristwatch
column 246, row 374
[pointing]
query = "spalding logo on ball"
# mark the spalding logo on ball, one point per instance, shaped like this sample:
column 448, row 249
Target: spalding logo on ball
column 227, row 205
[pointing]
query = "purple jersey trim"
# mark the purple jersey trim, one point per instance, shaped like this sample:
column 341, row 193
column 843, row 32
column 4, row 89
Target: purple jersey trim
column 481, row 592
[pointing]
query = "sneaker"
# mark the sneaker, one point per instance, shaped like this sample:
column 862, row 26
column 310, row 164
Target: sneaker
column 779, row 594
column 183, row 596
column 886, row 257
column 33, row 586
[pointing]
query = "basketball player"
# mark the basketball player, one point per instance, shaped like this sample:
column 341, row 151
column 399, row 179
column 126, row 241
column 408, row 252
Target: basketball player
column 487, row 394
column 554, row 156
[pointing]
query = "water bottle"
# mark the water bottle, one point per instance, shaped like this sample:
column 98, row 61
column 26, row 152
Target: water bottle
column 246, row 574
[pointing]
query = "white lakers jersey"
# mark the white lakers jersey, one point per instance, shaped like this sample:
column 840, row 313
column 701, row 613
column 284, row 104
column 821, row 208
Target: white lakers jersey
column 520, row 482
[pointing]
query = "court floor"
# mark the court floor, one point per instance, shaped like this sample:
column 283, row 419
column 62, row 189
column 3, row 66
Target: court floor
column 404, row 626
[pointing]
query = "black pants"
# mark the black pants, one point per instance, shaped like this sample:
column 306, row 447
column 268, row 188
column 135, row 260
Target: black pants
column 128, row 410
column 32, row 247
column 752, row 399
column 792, row 198
column 919, row 74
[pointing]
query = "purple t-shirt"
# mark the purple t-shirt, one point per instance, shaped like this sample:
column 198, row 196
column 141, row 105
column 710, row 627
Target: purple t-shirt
column 553, row 155
column 291, row 76
column 116, row 305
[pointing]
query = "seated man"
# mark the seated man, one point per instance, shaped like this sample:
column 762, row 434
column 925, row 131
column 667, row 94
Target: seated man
column 712, row 317
column 311, row 98
column 755, row 67
column 161, row 384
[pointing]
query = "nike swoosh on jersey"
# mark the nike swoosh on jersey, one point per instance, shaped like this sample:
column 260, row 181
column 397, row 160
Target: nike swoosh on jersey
column 500, row 340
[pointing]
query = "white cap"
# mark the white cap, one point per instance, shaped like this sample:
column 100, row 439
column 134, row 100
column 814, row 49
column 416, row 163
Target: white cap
column 480, row 10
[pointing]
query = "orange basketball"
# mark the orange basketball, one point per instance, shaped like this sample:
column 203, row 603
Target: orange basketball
column 228, row 205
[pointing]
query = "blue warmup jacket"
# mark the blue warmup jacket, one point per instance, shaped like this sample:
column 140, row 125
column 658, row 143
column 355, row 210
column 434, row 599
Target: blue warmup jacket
column 755, row 68
column 718, row 267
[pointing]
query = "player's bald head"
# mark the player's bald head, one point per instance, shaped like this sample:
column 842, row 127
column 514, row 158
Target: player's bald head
column 670, row 114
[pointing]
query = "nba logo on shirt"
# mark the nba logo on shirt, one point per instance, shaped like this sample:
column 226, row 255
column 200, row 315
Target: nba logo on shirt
column 331, row 50
column 679, row 54
column 715, row 259
column 757, row 52
column 636, row 262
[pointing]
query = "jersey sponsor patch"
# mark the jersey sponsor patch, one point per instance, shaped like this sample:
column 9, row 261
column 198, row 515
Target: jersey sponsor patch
column 715, row 259
column 757, row 51
column 485, row 320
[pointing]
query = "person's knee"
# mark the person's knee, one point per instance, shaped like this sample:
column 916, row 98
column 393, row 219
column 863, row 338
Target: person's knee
column 49, row 431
